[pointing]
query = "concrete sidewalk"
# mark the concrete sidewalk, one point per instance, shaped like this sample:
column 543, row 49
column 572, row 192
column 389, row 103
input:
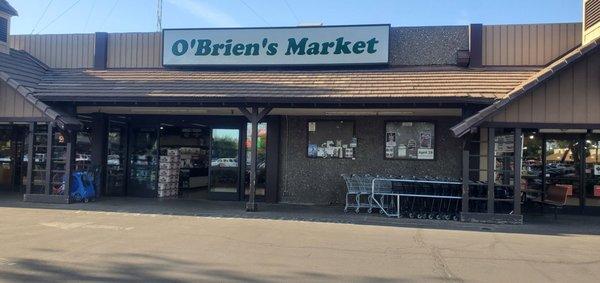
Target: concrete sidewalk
column 535, row 223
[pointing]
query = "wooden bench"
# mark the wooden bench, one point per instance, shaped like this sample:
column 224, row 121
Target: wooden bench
column 556, row 197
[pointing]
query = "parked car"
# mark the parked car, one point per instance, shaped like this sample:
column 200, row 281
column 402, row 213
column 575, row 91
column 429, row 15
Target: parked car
column 225, row 162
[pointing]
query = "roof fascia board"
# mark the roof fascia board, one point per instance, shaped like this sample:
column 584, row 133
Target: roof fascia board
column 466, row 125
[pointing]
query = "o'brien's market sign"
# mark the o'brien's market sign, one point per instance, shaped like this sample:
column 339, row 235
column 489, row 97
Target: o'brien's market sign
column 276, row 46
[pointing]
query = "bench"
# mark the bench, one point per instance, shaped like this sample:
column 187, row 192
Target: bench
column 556, row 197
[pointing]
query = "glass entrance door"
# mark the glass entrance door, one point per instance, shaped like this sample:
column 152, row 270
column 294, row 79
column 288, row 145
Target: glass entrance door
column 143, row 172
column 116, row 158
column 563, row 166
column 224, row 164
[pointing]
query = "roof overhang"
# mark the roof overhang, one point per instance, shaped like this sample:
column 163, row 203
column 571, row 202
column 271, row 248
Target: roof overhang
column 62, row 120
column 472, row 122
column 7, row 8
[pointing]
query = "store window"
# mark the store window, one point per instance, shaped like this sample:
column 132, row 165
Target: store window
column 83, row 152
column 531, row 171
column 592, row 171
column 331, row 139
column 410, row 140
column 261, row 160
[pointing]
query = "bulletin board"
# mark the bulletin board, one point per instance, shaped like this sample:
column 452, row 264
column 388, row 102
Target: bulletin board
column 331, row 139
column 410, row 140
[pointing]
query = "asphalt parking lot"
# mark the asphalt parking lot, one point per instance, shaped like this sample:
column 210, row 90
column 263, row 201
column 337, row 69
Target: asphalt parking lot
column 191, row 241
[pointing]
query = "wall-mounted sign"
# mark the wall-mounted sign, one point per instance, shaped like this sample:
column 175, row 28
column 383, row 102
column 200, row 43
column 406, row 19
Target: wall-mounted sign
column 329, row 45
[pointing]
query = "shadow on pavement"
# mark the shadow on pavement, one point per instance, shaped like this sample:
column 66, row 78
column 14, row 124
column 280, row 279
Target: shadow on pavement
column 131, row 267
column 535, row 223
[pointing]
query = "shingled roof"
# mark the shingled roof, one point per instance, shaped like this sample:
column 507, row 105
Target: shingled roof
column 386, row 85
column 7, row 8
column 22, row 67
column 23, row 72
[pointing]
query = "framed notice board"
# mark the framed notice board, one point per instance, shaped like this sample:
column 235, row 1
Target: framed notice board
column 331, row 139
column 410, row 140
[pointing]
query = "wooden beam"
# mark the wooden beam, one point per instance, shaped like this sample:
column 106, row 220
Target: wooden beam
column 246, row 113
column 518, row 165
column 254, row 117
column 263, row 113
column 251, row 205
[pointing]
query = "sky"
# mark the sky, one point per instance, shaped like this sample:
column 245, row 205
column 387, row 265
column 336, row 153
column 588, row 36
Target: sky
column 85, row 16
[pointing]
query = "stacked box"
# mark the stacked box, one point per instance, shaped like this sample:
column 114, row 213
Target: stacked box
column 168, row 174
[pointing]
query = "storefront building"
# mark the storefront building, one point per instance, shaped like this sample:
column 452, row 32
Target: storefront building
column 181, row 113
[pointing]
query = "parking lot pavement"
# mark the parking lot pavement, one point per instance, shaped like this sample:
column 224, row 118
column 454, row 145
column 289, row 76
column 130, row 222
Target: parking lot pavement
column 105, row 242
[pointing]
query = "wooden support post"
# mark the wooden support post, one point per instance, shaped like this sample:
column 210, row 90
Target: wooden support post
column 465, row 177
column 518, row 165
column 251, row 205
column 254, row 117
column 30, row 158
column 491, row 164
column 49, row 136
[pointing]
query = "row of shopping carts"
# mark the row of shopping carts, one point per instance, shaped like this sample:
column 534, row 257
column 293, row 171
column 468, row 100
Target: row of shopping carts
column 399, row 196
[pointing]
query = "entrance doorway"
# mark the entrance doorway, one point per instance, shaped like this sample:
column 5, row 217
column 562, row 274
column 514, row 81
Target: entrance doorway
column 194, row 161
column 184, row 161
column 225, row 164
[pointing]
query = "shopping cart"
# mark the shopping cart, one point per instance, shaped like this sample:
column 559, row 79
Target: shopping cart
column 426, row 198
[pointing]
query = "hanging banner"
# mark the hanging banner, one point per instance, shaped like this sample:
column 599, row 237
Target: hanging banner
column 328, row 45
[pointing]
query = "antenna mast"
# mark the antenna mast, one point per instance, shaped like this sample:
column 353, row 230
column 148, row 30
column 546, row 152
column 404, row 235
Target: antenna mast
column 159, row 15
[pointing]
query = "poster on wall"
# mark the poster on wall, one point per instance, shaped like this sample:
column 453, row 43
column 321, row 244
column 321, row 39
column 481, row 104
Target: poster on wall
column 389, row 152
column 312, row 150
column 331, row 139
column 410, row 140
column 390, row 139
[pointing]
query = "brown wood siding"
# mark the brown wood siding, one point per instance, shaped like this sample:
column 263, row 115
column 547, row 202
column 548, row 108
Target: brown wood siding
column 528, row 45
column 14, row 105
column 571, row 97
column 134, row 50
column 58, row 50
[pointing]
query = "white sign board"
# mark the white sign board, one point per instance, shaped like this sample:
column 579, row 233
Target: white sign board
column 329, row 45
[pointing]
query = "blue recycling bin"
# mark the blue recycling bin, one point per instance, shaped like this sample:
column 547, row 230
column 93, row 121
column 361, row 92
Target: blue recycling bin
column 83, row 187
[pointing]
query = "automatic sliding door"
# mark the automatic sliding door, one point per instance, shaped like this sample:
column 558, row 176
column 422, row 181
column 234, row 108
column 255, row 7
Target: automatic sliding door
column 116, row 158
column 144, row 162
column 224, row 164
